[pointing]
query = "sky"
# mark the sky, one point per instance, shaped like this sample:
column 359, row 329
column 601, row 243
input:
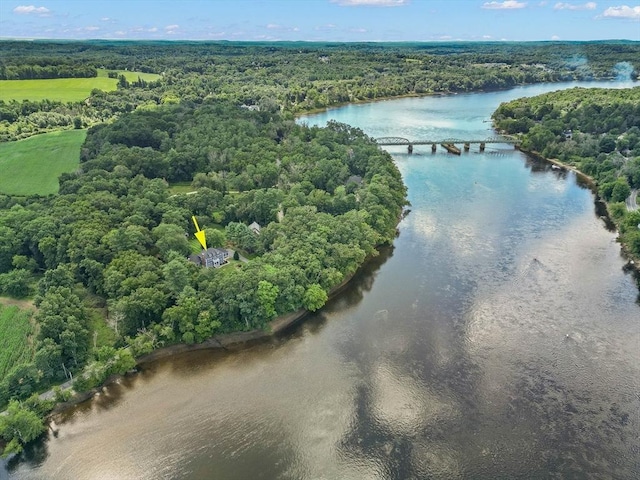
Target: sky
column 322, row 20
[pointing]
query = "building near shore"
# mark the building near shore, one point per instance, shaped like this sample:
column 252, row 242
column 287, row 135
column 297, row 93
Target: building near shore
column 211, row 257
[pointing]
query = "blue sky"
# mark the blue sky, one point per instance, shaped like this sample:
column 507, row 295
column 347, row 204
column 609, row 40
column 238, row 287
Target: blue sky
column 322, row 20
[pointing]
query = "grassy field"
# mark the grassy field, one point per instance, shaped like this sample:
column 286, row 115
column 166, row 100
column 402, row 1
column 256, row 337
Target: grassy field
column 16, row 345
column 64, row 89
column 32, row 166
column 130, row 76
column 61, row 89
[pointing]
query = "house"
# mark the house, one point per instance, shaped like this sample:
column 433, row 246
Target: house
column 255, row 228
column 211, row 257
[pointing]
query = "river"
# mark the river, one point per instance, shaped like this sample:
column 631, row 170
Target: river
column 498, row 338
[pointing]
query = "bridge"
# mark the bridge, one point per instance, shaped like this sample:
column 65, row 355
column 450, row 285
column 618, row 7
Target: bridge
column 448, row 143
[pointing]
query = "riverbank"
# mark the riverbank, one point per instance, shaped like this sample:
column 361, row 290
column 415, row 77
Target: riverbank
column 228, row 341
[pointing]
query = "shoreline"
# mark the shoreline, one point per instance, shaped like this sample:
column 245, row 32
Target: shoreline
column 238, row 340
column 233, row 341
column 313, row 111
column 242, row 339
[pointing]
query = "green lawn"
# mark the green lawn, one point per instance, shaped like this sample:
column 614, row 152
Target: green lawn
column 64, row 89
column 16, row 345
column 33, row 165
column 177, row 188
column 195, row 246
column 130, row 76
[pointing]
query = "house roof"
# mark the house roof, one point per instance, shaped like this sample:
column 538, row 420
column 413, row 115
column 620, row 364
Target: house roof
column 209, row 253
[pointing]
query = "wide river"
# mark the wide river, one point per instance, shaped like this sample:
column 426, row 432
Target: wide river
column 499, row 338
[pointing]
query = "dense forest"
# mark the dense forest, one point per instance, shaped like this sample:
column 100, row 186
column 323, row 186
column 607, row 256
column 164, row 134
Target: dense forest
column 595, row 130
column 296, row 76
column 40, row 71
column 115, row 232
column 105, row 260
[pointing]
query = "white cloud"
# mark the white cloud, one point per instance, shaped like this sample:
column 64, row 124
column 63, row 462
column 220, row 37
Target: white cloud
column 171, row 28
column 153, row 29
column 555, row 37
column 569, row 6
column 328, row 26
column 105, row 19
column 506, row 5
column 32, row 10
column 623, row 11
column 91, row 28
column 282, row 28
column 358, row 30
column 371, row 3
column 486, row 37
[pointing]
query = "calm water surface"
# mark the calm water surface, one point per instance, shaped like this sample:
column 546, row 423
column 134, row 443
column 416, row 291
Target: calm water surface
column 497, row 339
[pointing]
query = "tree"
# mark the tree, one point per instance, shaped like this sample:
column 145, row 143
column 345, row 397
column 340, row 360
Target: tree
column 607, row 144
column 215, row 238
column 61, row 276
column 19, row 427
column 48, row 359
column 314, row 297
column 9, row 246
column 241, row 235
column 177, row 275
column 621, row 190
column 15, row 283
column 63, row 318
column 142, row 308
column 170, row 237
column 267, row 295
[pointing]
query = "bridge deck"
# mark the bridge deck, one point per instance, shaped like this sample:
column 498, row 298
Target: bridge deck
column 390, row 141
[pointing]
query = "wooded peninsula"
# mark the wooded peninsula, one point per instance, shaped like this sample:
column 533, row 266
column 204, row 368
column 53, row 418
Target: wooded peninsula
column 177, row 136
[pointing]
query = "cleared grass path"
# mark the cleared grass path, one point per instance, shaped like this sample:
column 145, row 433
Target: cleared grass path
column 33, row 165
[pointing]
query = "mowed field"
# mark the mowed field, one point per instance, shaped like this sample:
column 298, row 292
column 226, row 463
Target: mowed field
column 64, row 89
column 33, row 165
column 59, row 89
column 16, row 346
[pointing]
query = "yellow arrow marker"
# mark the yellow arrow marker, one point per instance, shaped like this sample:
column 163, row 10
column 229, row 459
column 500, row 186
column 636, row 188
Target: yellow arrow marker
column 200, row 235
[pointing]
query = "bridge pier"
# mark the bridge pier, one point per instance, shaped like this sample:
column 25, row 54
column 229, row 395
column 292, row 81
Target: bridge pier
column 482, row 145
column 434, row 147
column 467, row 146
column 410, row 149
